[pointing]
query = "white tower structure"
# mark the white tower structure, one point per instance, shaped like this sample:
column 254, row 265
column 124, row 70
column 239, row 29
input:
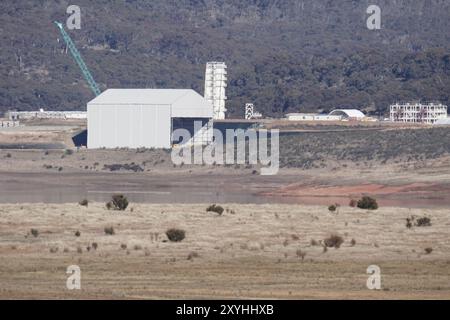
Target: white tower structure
column 215, row 85
column 249, row 111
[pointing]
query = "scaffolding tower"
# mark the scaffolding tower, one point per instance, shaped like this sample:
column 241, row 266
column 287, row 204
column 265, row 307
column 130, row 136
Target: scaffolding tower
column 249, row 111
column 215, row 86
column 418, row 113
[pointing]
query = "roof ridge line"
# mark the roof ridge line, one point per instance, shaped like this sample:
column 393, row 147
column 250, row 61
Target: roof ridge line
column 185, row 94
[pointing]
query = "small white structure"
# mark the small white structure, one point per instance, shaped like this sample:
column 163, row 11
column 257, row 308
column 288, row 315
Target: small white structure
column 418, row 113
column 146, row 118
column 249, row 111
column 9, row 124
column 312, row 117
column 443, row 122
column 348, row 114
column 215, row 87
column 300, row 116
column 257, row 115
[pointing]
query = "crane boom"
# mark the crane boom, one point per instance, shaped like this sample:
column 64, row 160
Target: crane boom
column 77, row 56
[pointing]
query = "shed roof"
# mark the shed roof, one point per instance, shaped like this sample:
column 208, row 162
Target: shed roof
column 351, row 113
column 184, row 102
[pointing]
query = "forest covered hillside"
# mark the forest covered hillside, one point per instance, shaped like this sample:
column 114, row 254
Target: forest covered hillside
column 283, row 55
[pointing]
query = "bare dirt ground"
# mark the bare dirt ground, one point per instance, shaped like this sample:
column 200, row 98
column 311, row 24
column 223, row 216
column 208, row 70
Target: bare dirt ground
column 51, row 132
column 56, row 176
column 251, row 251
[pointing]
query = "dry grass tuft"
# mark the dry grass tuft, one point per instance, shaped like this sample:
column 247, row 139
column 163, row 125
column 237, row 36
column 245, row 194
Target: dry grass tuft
column 334, row 241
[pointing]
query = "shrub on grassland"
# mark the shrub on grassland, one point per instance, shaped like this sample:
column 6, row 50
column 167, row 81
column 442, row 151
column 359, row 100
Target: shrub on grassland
column 334, row 241
column 333, row 207
column 109, row 231
column 175, row 235
column 118, row 202
column 415, row 221
column 367, row 203
column 215, row 208
column 34, row 232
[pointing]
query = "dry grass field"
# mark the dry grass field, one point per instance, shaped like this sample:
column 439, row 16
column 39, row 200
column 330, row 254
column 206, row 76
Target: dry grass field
column 251, row 251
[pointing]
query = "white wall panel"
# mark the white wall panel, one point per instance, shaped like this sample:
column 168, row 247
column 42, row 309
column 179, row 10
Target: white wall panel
column 129, row 126
column 124, row 117
column 107, row 118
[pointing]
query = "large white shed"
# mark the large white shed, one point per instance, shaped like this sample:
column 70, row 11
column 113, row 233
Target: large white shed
column 136, row 118
column 352, row 114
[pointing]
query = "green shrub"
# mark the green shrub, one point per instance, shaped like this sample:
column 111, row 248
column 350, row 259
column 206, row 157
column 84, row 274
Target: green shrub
column 368, row 203
column 215, row 208
column 333, row 208
column 414, row 221
column 175, row 235
column 423, row 222
column 34, row 232
column 109, row 231
column 119, row 202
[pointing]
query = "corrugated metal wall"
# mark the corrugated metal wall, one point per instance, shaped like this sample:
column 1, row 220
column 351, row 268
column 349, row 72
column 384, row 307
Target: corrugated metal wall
column 129, row 126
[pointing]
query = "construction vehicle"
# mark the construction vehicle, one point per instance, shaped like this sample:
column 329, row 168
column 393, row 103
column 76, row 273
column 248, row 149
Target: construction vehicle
column 77, row 56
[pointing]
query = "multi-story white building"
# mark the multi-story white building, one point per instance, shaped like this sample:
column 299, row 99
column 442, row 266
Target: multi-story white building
column 418, row 113
column 42, row 114
column 215, row 86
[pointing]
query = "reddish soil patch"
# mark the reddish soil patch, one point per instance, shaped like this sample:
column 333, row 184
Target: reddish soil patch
column 374, row 189
column 414, row 194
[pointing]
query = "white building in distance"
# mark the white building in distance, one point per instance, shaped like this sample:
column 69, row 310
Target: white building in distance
column 215, row 87
column 349, row 114
column 42, row 114
column 418, row 113
column 312, row 117
column 335, row 115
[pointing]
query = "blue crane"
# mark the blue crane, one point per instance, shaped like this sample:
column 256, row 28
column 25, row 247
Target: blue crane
column 77, row 56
